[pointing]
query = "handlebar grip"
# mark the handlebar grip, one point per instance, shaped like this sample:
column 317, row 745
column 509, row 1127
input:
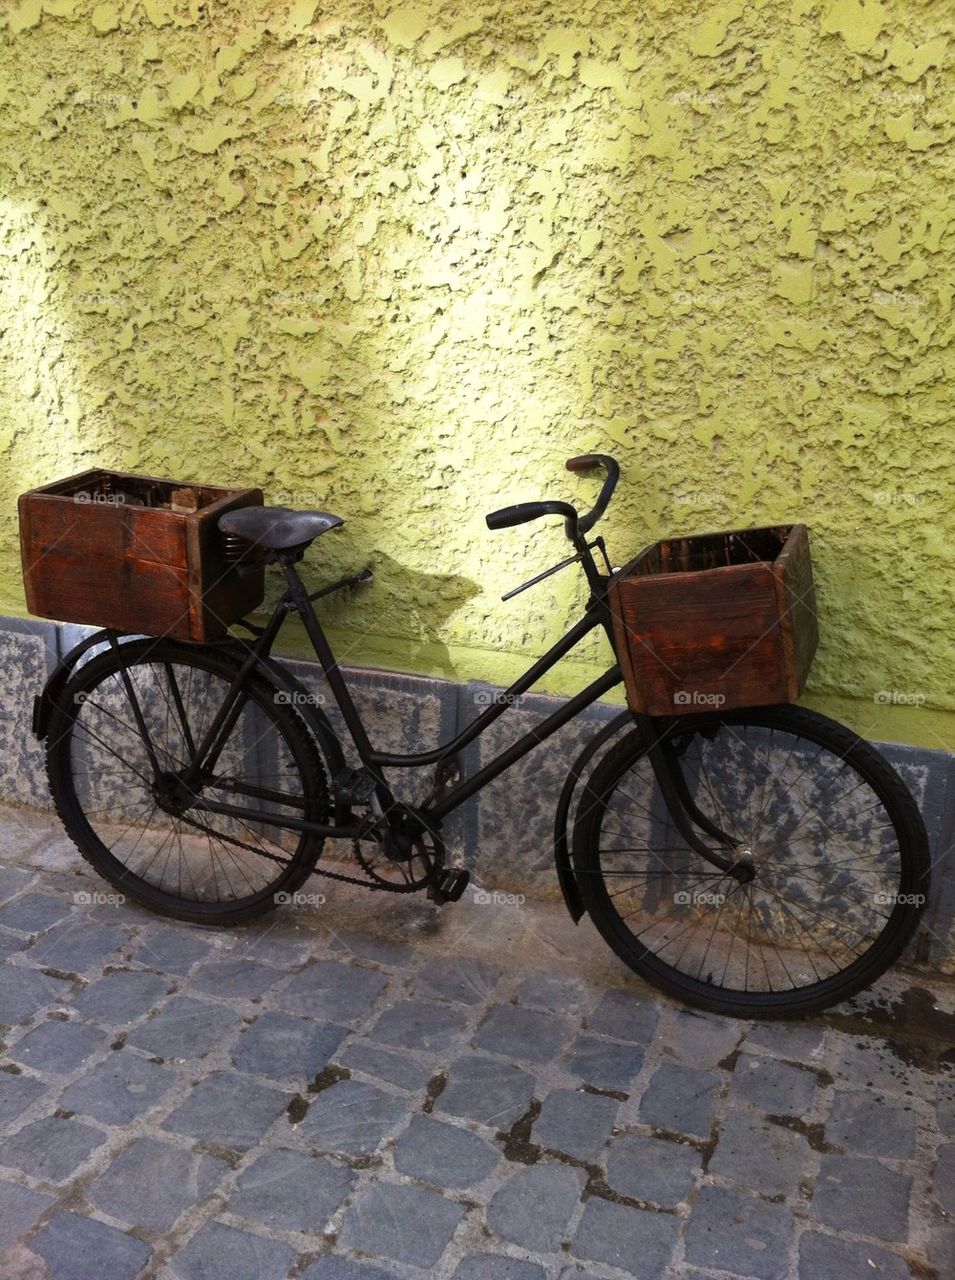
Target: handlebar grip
column 507, row 517
column 585, row 462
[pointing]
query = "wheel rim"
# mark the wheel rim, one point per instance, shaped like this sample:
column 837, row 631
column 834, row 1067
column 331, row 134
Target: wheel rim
column 144, row 826
column 830, row 882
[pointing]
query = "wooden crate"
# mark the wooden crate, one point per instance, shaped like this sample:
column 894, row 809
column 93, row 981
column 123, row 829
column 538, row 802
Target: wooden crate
column 126, row 552
column 719, row 620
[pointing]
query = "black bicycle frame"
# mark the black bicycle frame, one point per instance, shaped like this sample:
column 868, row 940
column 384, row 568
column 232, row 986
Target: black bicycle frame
column 597, row 614
column 297, row 600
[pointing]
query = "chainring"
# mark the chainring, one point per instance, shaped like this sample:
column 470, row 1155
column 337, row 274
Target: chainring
column 407, row 874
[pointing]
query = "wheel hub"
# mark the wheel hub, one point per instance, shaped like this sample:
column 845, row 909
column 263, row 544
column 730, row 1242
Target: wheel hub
column 171, row 794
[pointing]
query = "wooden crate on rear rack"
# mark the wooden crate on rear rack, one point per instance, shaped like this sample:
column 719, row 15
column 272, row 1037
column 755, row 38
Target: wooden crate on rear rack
column 716, row 621
column 135, row 554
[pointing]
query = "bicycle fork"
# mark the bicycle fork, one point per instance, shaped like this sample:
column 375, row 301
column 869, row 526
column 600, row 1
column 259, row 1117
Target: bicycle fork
column 683, row 810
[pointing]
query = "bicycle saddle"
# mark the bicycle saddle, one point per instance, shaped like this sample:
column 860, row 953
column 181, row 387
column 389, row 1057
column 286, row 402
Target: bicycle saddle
column 277, row 528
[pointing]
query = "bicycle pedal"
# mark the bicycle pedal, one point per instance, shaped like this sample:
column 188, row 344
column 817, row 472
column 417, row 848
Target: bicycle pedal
column 449, row 885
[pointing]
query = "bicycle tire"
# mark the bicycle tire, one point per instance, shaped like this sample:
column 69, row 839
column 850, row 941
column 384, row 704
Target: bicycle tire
column 803, row 726
column 80, row 692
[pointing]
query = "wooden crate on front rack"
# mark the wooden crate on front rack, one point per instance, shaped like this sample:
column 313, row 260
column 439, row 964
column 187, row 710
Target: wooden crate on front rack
column 135, row 554
column 717, row 621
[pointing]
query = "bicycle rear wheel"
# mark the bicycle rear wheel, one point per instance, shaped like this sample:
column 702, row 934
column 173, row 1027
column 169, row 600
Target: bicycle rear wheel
column 144, row 837
column 838, row 851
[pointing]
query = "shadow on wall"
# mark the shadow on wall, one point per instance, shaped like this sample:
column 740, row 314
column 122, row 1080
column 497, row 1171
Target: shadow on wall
column 402, row 266
column 420, row 604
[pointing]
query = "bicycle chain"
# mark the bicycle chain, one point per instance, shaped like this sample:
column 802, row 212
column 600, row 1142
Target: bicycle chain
column 365, row 882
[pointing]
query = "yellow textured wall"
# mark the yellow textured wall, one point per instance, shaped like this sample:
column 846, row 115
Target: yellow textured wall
column 400, row 262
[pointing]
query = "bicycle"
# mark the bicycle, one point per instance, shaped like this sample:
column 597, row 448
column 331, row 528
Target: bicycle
column 760, row 862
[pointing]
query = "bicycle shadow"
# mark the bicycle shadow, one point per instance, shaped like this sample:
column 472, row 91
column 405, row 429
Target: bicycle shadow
column 399, row 618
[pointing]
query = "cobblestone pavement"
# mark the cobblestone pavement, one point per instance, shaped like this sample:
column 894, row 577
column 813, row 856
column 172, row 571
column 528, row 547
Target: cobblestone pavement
column 369, row 1087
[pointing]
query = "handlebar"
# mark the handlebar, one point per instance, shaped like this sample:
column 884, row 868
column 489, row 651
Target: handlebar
column 574, row 524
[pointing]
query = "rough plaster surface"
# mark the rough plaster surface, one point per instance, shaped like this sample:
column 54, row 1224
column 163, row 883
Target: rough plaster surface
column 401, row 261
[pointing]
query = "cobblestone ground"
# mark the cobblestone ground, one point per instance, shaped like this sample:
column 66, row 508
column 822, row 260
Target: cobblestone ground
column 369, row 1087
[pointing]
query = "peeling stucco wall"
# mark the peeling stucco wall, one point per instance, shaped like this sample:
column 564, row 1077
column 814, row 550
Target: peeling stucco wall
column 400, row 262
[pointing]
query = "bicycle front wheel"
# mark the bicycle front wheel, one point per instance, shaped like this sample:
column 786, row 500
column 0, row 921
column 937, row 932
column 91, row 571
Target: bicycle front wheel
column 139, row 827
column 837, row 849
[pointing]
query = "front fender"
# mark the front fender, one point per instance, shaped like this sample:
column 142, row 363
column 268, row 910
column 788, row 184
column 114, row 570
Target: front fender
column 565, row 871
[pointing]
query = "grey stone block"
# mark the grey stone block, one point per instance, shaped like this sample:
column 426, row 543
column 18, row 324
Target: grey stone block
column 228, row 1110
column 186, row 1028
column 34, row 912
column 287, row 1048
column 943, row 1183
column 151, row 1183
column 16, row 1094
column 76, row 947
column 740, row 1234
column 945, row 1106
column 575, row 1123
column 758, row 1155
column 523, row 852
column 119, row 1089
column 174, row 948
column 121, row 997
column 27, row 655
column 854, row 1193
column 488, row 1090
column 867, row 1062
column 351, row 1117
column 797, row 1041
column 416, row 1024
column 76, row 1248
column 220, row 1251
column 333, row 1267
column 559, row 995
column 234, row 978
column 604, row 1063
column 701, row 1041
column 526, row 1034
column 871, row 1124
column 289, row 1191
column 50, row 1149
column 332, row 991
column 532, row 1209
column 405, row 1223
column 495, row 1266
column 370, row 946
column 773, row 1086
column 25, row 992
column 58, row 1047
column 444, row 1154
column 14, row 880
column 652, row 1169
column 681, row 1099
column 459, row 978
column 278, row 941
column 636, row 1241
column 624, row 1016
column 396, row 1068
column 19, row 1210
column 11, row 943
column 821, row 1255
